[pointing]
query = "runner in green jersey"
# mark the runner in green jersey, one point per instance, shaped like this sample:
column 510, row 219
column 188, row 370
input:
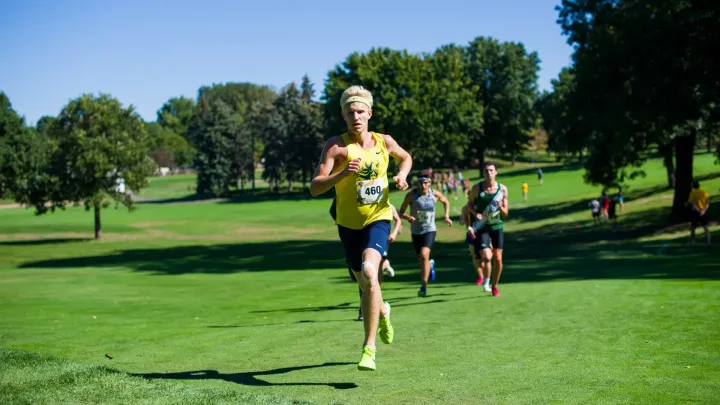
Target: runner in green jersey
column 488, row 203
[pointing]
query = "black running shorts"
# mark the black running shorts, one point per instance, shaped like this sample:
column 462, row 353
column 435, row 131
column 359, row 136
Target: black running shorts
column 422, row 240
column 487, row 238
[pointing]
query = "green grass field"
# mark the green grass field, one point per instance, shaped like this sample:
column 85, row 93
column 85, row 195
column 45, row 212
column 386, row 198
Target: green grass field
column 237, row 301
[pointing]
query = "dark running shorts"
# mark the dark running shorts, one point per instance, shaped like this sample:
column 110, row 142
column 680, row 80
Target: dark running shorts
column 422, row 240
column 355, row 241
column 698, row 220
column 486, row 236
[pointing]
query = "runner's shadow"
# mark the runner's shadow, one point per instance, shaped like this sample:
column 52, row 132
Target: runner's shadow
column 347, row 305
column 247, row 378
column 276, row 324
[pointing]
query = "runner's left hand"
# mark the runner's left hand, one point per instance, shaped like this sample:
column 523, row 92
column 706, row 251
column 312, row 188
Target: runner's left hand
column 448, row 221
column 401, row 181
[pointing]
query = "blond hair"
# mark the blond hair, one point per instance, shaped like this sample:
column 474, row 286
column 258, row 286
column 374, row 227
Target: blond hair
column 356, row 92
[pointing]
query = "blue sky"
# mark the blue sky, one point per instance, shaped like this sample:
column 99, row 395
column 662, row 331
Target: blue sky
column 144, row 52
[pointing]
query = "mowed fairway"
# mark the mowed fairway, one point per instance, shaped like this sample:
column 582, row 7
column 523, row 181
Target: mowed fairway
column 250, row 302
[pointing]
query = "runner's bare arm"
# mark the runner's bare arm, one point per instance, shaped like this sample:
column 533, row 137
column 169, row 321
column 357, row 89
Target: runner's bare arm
column 398, row 224
column 504, row 207
column 406, row 202
column 471, row 201
column 322, row 180
column 467, row 216
column 405, row 159
column 446, row 203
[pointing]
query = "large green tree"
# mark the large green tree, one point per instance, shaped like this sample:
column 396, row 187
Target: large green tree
column 175, row 115
column 506, row 75
column 24, row 155
column 309, row 131
column 247, row 103
column 648, row 74
column 44, row 123
column 562, row 119
column 214, row 131
column 292, row 132
column 167, row 148
column 97, row 146
column 449, row 110
column 11, row 128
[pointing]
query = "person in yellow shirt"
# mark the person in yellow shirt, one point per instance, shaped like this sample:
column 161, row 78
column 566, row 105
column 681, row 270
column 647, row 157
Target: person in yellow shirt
column 699, row 200
column 355, row 164
column 525, row 190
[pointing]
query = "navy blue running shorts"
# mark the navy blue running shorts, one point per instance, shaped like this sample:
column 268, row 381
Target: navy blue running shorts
column 355, row 241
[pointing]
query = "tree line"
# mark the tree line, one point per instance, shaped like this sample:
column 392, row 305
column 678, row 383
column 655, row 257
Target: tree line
column 643, row 80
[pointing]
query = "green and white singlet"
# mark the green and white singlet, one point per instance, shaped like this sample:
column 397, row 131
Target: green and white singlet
column 487, row 205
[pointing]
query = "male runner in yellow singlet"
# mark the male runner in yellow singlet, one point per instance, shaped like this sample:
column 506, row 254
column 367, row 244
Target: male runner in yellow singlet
column 355, row 163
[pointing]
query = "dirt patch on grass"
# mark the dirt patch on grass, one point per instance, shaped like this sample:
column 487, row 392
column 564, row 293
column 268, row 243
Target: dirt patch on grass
column 34, row 236
column 151, row 224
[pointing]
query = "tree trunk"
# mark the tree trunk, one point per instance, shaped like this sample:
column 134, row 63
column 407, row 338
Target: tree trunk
column 252, row 157
column 481, row 162
column 513, row 158
column 709, row 141
column 481, row 154
column 580, row 155
column 684, row 150
column 98, row 227
column 667, row 153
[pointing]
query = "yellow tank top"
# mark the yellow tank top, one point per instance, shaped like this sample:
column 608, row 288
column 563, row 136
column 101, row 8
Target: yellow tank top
column 364, row 197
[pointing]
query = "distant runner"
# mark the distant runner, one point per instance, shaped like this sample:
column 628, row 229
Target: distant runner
column 488, row 203
column 422, row 225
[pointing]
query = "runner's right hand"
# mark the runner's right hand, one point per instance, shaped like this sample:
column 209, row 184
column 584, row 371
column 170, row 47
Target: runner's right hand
column 411, row 219
column 471, row 232
column 353, row 166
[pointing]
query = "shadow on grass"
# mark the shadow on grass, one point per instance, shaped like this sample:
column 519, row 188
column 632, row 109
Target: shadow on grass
column 551, row 252
column 241, row 197
column 247, row 378
column 557, row 251
column 396, row 302
column 215, row 259
column 558, row 210
column 346, row 305
column 50, row 241
column 276, row 324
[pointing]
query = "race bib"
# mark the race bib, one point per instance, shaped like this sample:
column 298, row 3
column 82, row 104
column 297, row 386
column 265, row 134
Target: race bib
column 370, row 191
column 492, row 217
column 426, row 217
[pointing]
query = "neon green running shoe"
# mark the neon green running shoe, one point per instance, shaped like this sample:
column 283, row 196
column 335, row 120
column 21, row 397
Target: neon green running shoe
column 386, row 330
column 367, row 361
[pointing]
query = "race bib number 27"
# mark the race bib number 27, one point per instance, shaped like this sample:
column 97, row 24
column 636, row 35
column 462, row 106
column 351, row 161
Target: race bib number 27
column 370, row 191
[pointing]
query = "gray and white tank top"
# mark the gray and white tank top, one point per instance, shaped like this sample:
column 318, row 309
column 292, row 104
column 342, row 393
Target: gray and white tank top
column 423, row 209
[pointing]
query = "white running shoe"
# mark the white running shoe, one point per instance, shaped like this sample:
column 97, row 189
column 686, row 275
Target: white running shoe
column 390, row 271
column 486, row 287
